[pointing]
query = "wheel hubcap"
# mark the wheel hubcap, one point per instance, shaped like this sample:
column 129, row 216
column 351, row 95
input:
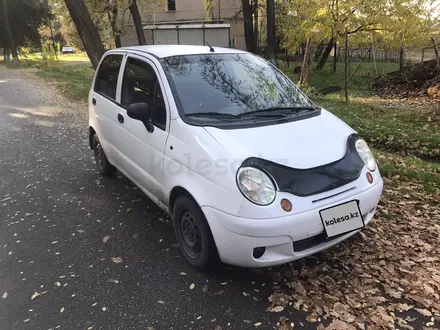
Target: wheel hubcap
column 191, row 235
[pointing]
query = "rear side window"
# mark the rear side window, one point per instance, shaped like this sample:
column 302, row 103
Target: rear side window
column 107, row 79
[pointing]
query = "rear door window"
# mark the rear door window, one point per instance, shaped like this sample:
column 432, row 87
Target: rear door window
column 107, row 78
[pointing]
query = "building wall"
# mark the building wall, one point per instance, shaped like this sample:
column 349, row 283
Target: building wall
column 189, row 11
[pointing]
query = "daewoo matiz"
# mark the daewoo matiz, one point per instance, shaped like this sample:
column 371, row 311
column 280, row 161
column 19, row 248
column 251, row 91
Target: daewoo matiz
column 252, row 172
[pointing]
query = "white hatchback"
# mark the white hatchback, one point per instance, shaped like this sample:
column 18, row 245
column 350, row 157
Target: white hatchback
column 252, row 172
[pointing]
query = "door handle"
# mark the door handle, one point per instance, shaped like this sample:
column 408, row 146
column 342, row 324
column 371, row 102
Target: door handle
column 120, row 118
column 94, row 101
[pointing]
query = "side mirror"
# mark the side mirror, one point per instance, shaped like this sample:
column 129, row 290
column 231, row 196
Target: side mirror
column 139, row 111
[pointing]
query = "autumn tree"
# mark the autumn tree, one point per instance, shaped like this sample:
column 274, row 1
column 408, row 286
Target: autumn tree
column 87, row 30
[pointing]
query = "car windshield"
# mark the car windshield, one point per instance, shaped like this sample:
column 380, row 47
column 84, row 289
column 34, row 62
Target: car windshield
column 232, row 85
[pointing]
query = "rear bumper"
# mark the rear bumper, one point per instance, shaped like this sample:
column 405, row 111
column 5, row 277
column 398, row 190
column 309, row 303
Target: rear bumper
column 285, row 239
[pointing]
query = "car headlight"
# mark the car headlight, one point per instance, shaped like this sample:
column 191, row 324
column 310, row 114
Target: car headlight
column 366, row 154
column 256, row 185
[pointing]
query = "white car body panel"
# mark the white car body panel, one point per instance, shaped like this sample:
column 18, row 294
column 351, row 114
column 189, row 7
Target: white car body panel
column 204, row 161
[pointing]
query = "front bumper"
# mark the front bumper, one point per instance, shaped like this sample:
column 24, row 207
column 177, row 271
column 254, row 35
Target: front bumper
column 285, row 239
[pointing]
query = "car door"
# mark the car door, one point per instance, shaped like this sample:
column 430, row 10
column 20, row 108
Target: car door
column 104, row 100
column 141, row 151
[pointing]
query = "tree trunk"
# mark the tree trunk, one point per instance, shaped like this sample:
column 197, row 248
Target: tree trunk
column 87, row 30
column 335, row 56
column 9, row 37
column 54, row 46
column 6, row 54
column 319, row 51
column 113, row 17
column 346, row 65
column 137, row 22
column 304, row 77
column 271, row 32
column 437, row 55
column 402, row 53
column 248, row 27
column 326, row 54
column 373, row 50
column 256, row 12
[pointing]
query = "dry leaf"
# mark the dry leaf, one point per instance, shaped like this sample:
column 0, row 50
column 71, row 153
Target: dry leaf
column 105, row 239
column 129, row 210
column 192, row 286
column 276, row 309
column 424, row 312
column 117, row 260
column 35, row 295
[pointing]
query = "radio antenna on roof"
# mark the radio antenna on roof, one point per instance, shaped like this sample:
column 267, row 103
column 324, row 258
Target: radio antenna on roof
column 210, row 48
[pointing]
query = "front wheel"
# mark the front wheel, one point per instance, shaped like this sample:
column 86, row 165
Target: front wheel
column 104, row 166
column 193, row 234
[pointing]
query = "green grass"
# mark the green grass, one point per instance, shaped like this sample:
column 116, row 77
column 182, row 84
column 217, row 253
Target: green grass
column 359, row 85
column 407, row 168
column 78, row 57
column 72, row 74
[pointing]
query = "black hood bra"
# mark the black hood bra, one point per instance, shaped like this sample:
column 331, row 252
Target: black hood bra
column 312, row 181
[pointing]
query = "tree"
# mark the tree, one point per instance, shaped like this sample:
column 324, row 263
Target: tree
column 87, row 30
column 10, row 39
column 271, row 32
column 249, row 35
column 24, row 17
column 137, row 22
column 113, row 13
column 325, row 54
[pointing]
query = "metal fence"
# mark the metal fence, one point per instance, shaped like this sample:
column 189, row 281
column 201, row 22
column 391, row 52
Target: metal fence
column 411, row 55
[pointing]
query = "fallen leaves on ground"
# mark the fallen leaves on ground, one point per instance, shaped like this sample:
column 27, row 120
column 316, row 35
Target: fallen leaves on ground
column 391, row 269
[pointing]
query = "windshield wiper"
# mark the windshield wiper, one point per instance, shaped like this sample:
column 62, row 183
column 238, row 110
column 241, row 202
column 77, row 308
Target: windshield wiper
column 279, row 111
column 216, row 115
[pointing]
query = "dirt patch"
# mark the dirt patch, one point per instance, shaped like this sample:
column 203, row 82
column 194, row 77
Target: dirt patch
column 419, row 81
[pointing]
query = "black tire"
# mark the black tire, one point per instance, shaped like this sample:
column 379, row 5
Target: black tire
column 189, row 220
column 104, row 166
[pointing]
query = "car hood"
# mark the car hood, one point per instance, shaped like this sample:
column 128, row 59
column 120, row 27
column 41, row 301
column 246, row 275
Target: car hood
column 299, row 144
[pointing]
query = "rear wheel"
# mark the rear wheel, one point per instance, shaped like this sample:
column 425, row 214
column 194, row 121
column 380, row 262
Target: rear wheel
column 193, row 234
column 104, row 166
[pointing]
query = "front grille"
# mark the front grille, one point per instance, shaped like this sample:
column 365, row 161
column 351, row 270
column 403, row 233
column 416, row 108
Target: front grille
column 310, row 242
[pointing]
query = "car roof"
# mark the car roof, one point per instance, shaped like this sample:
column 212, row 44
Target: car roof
column 162, row 51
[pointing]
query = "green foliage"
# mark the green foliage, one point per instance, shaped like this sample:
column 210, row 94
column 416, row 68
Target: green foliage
column 25, row 18
column 412, row 20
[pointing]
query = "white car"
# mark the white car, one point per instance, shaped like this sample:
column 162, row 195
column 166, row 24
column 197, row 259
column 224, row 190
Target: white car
column 252, row 172
column 67, row 50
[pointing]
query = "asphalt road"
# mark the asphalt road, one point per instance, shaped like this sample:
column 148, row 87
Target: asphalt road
column 56, row 272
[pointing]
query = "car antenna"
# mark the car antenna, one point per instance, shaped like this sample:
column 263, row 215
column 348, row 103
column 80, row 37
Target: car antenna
column 210, row 48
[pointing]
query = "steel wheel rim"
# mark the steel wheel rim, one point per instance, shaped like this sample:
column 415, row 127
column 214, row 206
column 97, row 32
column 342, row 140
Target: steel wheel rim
column 99, row 155
column 190, row 234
